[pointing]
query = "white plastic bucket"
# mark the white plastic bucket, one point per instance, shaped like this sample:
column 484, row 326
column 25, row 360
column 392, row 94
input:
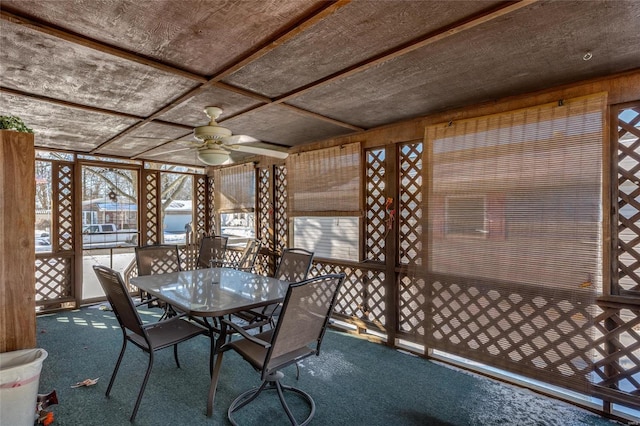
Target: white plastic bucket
column 19, row 380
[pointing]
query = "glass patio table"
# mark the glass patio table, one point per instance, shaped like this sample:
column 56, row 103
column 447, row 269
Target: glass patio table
column 208, row 295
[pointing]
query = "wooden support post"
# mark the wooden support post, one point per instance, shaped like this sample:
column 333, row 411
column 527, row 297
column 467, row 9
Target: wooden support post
column 17, row 241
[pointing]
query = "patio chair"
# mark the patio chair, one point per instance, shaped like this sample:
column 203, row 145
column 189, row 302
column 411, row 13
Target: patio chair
column 248, row 257
column 212, row 251
column 157, row 259
column 148, row 337
column 293, row 267
column 298, row 334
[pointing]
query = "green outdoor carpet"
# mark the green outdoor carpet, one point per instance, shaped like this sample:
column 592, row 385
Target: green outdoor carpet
column 353, row 382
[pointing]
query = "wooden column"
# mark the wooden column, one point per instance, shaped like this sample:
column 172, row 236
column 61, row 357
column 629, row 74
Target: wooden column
column 17, row 241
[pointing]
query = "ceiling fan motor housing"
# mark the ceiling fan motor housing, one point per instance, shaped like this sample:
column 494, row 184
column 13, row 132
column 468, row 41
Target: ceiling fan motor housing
column 211, row 131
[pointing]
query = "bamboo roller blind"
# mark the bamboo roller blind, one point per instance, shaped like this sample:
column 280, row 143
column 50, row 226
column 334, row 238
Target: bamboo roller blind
column 517, row 196
column 235, row 188
column 325, row 180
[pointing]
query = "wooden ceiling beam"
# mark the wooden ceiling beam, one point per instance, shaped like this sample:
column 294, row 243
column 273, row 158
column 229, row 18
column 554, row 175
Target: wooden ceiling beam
column 322, row 12
column 323, row 117
column 61, row 102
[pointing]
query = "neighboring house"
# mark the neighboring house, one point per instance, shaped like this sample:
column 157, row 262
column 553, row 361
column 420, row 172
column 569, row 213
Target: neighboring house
column 125, row 214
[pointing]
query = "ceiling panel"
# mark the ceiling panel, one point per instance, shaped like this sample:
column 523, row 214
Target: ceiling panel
column 142, row 139
column 499, row 58
column 281, row 125
column 63, row 127
column 181, row 152
column 191, row 112
column 41, row 64
column 193, row 35
column 353, row 34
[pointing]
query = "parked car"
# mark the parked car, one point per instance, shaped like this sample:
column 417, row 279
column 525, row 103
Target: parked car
column 43, row 244
column 107, row 235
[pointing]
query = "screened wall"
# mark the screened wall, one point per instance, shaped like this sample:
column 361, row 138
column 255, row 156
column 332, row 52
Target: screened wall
column 505, row 238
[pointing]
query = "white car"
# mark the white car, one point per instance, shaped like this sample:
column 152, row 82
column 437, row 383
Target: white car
column 43, row 244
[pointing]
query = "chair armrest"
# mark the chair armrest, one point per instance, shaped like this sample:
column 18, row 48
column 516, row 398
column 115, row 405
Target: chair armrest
column 246, row 335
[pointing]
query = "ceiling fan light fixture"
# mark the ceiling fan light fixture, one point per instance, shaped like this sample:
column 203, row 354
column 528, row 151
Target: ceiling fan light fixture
column 213, row 156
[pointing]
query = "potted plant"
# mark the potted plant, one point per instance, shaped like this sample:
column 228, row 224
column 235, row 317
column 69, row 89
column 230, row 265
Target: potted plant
column 10, row 122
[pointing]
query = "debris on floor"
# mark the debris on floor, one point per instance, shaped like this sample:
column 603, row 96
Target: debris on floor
column 86, row 382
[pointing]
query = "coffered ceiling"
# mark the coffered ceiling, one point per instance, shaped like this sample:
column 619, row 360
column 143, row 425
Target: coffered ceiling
column 130, row 78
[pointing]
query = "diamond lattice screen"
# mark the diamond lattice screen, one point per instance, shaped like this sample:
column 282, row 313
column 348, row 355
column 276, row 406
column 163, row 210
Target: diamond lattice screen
column 281, row 219
column 514, row 237
column 377, row 220
column 410, row 203
column 63, row 206
column 200, row 202
column 325, row 180
column 627, row 277
column 211, row 208
column 150, row 207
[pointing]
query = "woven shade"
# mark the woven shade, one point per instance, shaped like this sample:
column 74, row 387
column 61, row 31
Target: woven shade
column 326, row 180
column 516, row 196
column 235, row 188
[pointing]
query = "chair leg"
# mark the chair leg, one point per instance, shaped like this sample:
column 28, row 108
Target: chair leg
column 144, row 385
column 175, row 355
column 273, row 382
column 284, row 403
column 312, row 405
column 247, row 397
column 117, row 367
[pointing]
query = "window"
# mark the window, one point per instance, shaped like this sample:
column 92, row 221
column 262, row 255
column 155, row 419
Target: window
column 177, row 207
column 466, row 216
column 43, row 206
column 328, row 237
column 523, row 296
column 527, row 185
column 110, row 203
column 235, row 202
column 324, row 199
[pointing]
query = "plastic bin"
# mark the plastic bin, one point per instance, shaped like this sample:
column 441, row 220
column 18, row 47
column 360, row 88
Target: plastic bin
column 19, row 380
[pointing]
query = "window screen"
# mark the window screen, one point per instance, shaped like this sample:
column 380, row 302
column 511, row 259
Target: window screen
column 514, row 242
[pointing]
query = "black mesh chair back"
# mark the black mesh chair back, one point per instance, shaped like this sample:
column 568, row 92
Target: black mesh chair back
column 294, row 265
column 157, row 259
column 306, row 311
column 249, row 256
column 119, row 299
column 149, row 337
column 212, row 251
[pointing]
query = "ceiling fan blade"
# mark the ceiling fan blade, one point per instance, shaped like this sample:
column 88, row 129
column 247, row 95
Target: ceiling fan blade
column 156, row 154
column 261, row 148
column 238, row 139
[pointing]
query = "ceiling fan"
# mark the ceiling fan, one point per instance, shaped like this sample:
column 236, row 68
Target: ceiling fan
column 218, row 142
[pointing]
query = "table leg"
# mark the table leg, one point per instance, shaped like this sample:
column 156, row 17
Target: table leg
column 222, row 337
